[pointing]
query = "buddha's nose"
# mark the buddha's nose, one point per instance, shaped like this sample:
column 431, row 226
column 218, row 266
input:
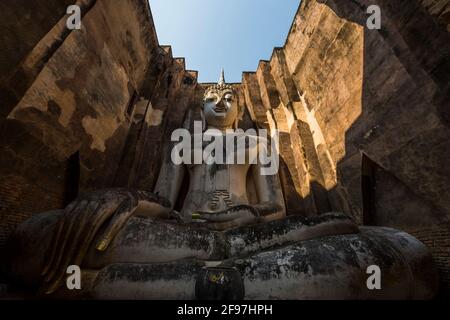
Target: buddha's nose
column 220, row 105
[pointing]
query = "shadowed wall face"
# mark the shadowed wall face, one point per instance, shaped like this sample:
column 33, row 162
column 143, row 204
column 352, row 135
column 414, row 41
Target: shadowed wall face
column 72, row 98
column 379, row 99
column 363, row 114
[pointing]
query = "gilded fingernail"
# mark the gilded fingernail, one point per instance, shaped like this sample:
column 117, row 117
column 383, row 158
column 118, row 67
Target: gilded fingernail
column 196, row 216
column 102, row 245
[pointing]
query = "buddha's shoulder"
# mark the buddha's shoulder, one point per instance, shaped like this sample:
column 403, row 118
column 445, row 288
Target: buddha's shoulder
column 239, row 136
column 250, row 137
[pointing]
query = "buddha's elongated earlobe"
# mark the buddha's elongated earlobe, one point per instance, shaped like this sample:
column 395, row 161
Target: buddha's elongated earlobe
column 236, row 124
column 240, row 113
column 202, row 116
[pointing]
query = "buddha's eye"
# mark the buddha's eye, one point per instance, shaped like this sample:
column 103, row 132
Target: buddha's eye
column 229, row 98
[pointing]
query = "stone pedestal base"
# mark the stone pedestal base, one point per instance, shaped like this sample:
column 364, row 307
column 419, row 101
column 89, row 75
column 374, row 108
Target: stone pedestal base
column 333, row 267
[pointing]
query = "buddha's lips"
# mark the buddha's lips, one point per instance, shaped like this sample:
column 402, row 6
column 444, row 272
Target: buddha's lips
column 220, row 109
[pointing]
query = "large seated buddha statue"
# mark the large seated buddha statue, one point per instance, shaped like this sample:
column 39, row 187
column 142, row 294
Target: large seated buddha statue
column 231, row 239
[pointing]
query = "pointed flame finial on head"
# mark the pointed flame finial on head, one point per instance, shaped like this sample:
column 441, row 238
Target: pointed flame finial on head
column 221, row 86
column 222, row 77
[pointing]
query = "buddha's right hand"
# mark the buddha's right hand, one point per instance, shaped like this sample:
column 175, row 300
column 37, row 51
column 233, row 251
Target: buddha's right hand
column 82, row 220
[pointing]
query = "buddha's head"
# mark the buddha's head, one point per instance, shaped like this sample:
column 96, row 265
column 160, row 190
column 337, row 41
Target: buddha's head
column 220, row 106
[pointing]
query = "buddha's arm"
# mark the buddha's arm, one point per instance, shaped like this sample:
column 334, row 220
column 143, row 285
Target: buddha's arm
column 84, row 217
column 268, row 188
column 169, row 181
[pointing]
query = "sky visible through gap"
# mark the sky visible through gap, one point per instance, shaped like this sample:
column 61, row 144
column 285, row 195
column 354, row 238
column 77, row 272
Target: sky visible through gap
column 215, row 34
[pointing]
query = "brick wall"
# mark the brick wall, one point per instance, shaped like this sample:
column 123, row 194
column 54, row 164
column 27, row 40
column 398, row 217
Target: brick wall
column 437, row 239
column 440, row 9
column 20, row 199
column 66, row 93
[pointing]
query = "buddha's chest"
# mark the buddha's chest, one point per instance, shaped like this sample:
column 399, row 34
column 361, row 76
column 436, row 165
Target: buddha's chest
column 210, row 177
column 216, row 187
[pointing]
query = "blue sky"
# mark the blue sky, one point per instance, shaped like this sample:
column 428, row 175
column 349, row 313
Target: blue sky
column 233, row 34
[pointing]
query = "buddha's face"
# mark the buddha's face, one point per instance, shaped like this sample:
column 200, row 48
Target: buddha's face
column 220, row 108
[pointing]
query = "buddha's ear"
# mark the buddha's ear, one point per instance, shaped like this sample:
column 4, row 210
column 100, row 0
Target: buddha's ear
column 202, row 116
column 240, row 113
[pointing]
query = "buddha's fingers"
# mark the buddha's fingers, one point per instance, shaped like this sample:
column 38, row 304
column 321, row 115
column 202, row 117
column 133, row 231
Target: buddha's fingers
column 105, row 238
column 230, row 214
column 120, row 217
column 223, row 216
column 80, row 225
column 56, row 239
column 67, row 221
column 90, row 220
column 104, row 214
column 70, row 218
